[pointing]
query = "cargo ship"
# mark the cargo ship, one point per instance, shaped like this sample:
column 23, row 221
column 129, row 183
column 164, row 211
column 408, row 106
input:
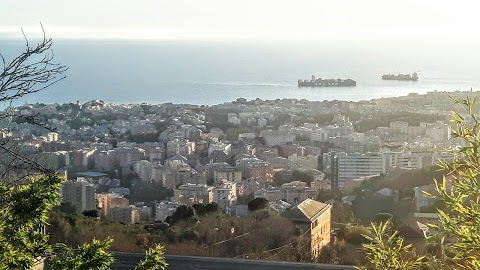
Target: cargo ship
column 400, row 77
column 314, row 82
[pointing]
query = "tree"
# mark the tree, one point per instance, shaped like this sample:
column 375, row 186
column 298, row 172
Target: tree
column 459, row 196
column 461, row 217
column 24, row 214
column 387, row 251
column 302, row 176
column 258, row 204
column 155, row 260
column 30, row 72
column 183, row 212
column 29, row 191
column 88, row 256
column 383, row 217
column 91, row 213
column 208, row 209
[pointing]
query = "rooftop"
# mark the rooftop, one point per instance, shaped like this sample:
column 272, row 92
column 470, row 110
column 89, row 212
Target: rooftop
column 307, row 210
column 91, row 174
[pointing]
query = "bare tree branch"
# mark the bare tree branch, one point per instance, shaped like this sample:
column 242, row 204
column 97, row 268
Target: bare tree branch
column 30, row 72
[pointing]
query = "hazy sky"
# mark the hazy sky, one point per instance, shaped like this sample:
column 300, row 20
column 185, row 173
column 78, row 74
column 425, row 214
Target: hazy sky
column 245, row 19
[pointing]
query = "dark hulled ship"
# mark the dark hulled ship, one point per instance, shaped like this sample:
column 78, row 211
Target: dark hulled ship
column 314, row 82
column 401, row 77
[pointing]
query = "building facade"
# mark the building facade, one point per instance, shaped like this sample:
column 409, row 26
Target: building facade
column 80, row 194
column 314, row 218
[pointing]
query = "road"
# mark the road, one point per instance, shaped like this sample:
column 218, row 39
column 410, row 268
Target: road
column 126, row 261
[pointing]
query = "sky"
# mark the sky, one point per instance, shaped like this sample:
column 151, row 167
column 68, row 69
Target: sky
column 278, row 20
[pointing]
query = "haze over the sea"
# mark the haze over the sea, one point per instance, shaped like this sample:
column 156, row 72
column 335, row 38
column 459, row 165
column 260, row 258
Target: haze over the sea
column 207, row 72
column 213, row 51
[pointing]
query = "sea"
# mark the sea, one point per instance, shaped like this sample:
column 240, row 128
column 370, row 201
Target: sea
column 215, row 72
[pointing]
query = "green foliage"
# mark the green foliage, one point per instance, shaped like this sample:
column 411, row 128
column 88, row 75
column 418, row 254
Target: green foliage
column 419, row 177
column 459, row 214
column 258, row 204
column 406, row 193
column 383, row 217
column 22, row 216
column 208, row 209
column 66, row 208
column 282, row 177
column 244, row 199
column 324, row 195
column 87, row 256
column 372, row 183
column 183, row 212
column 321, row 119
column 387, row 250
column 438, row 205
column 355, row 235
column 340, row 252
column 342, row 214
column 366, row 207
column 155, row 259
column 261, row 214
column 461, row 219
column 91, row 213
column 25, row 205
column 302, row 176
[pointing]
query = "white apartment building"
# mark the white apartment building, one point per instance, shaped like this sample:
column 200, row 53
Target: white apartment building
column 144, row 213
column 225, row 194
column 276, row 137
column 354, row 165
column 292, row 192
column 124, row 214
column 404, row 160
column 319, row 135
column 309, row 162
column 164, row 209
column 296, row 191
column 415, row 160
column 159, row 172
column 230, row 174
column 262, row 122
column 233, row 119
column 246, row 136
column 179, row 147
column 270, row 194
column 220, row 146
column 80, row 194
column 107, row 201
column 143, row 169
column 180, row 177
column 192, row 193
column 402, row 126
column 439, row 133
column 52, row 137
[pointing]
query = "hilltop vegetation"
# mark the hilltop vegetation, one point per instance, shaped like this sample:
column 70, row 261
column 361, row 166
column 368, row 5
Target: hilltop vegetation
column 200, row 233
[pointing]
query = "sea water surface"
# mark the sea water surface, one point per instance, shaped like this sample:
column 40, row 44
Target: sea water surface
column 207, row 72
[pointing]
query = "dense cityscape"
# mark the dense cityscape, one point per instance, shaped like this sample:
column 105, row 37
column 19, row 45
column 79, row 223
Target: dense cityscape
column 232, row 135
column 138, row 163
